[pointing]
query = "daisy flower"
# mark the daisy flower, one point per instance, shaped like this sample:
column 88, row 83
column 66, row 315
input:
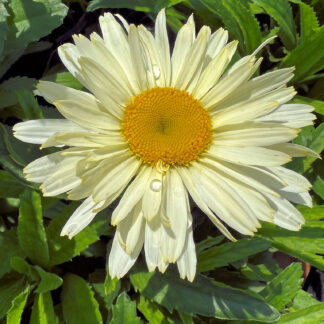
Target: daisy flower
column 156, row 128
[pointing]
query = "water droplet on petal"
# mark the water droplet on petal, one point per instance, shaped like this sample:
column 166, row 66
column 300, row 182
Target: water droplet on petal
column 156, row 185
column 156, row 71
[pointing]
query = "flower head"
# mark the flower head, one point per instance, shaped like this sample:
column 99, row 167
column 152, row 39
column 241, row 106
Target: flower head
column 156, row 128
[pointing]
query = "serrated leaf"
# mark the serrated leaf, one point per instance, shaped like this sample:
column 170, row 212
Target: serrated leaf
column 17, row 307
column 11, row 285
column 308, row 57
column 31, row 232
column 9, row 246
column 315, row 213
column 8, row 88
column 64, row 78
column 30, row 21
column 43, row 310
column 308, row 21
column 152, row 312
column 281, row 12
column 10, row 187
column 61, row 248
column 112, row 288
column 310, row 315
column 79, row 304
column 124, row 311
column 283, row 288
column 305, row 244
column 48, row 281
column 215, row 299
column 28, row 104
column 208, row 243
column 303, row 300
column 222, row 255
column 317, row 104
column 239, row 21
column 22, row 266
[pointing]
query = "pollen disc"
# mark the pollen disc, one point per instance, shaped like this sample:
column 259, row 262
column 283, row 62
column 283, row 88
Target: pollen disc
column 168, row 125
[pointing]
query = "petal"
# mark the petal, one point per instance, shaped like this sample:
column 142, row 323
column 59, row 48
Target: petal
column 249, row 155
column 217, row 42
column 294, row 150
column 163, row 47
column 119, row 261
column 187, row 262
column 81, row 217
column 253, row 134
column 132, row 195
column 38, row 131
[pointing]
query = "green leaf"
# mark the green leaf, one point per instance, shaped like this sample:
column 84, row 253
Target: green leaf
column 208, row 242
column 215, row 299
column 315, row 213
column 280, row 11
column 124, row 311
column 305, row 244
column 283, row 288
column 137, row 5
column 8, row 88
column 308, row 57
column 112, row 288
column 152, row 312
column 317, row 104
column 43, row 310
column 226, row 253
column 31, row 232
column 239, row 21
column 308, row 21
column 9, row 186
column 79, row 304
column 64, row 78
column 303, row 300
column 61, row 248
column 48, row 281
column 30, row 21
column 17, row 307
column 310, row 315
column 11, row 286
column 29, row 104
column 9, row 246
column 3, row 26
column 22, row 266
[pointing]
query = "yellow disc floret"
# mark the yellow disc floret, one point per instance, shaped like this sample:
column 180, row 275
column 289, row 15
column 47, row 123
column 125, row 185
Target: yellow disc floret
column 167, row 125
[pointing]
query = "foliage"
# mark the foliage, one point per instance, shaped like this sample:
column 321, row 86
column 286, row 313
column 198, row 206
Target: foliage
column 49, row 279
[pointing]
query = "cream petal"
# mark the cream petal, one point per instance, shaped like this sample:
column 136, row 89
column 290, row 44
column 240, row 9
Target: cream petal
column 187, row 262
column 119, row 261
column 64, row 178
column 286, row 216
column 87, row 117
column 117, row 178
column 81, row 217
column 213, row 71
column 191, row 186
column 163, row 47
column 152, row 243
column 40, row 130
column 249, row 155
column 132, row 195
column 294, row 150
column 182, row 46
column 130, row 229
column 292, row 115
column 227, row 85
column 190, row 70
column 253, row 134
column 217, row 42
column 302, row 198
column 117, row 43
column 152, row 197
column 123, row 21
column 138, row 58
column 225, row 205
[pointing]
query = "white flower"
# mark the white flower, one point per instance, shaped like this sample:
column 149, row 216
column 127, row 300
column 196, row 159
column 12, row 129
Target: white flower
column 160, row 128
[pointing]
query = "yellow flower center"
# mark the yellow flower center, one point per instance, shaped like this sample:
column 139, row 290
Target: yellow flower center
column 167, row 125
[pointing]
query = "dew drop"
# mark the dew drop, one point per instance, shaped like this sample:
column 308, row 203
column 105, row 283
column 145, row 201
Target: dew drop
column 156, row 185
column 156, row 71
